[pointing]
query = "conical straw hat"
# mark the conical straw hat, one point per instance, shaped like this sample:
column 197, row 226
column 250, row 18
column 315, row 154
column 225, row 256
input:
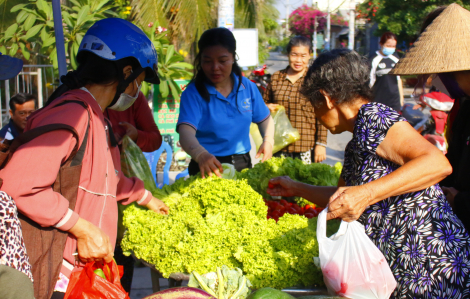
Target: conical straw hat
column 443, row 47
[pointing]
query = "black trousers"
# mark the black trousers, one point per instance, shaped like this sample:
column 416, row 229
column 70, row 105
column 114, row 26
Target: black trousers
column 239, row 161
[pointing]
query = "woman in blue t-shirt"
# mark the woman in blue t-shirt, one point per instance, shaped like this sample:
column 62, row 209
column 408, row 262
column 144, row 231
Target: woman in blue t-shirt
column 218, row 107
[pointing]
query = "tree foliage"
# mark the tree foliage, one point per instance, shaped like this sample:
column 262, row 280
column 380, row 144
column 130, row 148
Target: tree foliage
column 187, row 20
column 302, row 20
column 171, row 65
column 402, row 17
column 33, row 31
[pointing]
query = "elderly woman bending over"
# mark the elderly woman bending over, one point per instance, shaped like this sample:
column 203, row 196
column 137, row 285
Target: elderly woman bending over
column 388, row 182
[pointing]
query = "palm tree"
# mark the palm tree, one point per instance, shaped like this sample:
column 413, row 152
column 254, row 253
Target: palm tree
column 188, row 19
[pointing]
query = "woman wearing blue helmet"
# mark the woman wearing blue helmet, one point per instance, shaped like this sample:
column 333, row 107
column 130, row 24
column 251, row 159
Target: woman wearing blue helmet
column 114, row 58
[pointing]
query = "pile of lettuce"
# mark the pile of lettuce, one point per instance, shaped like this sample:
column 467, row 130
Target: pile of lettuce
column 316, row 174
column 214, row 222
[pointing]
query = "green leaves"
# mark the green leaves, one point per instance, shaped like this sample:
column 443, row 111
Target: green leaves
column 30, row 20
column 169, row 53
column 82, row 14
column 10, row 31
column 164, row 88
column 17, row 7
column 215, row 222
column 21, row 17
column 35, row 24
column 13, row 49
column 171, row 65
column 33, row 31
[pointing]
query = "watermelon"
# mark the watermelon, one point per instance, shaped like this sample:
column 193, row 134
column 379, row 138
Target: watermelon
column 269, row 293
column 181, row 293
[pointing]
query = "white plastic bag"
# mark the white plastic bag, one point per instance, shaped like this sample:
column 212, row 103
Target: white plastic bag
column 352, row 265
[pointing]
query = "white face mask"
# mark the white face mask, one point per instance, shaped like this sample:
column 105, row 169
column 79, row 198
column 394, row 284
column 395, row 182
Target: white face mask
column 125, row 100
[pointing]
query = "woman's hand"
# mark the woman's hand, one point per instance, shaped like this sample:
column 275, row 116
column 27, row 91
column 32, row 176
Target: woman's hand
column 158, row 206
column 266, row 149
column 272, row 107
column 131, row 131
column 282, row 186
column 208, row 164
column 320, row 153
column 92, row 243
column 450, row 193
column 348, row 203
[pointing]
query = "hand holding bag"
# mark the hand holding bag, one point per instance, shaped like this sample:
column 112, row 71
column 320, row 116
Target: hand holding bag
column 86, row 284
column 352, row 265
column 284, row 132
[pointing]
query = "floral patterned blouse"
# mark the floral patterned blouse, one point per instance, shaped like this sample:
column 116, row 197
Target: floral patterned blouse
column 12, row 248
column 425, row 244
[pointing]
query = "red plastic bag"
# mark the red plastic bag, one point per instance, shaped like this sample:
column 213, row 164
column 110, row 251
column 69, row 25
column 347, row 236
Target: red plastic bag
column 85, row 284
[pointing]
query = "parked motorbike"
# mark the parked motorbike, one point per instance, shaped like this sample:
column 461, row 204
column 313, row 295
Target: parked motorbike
column 431, row 127
column 260, row 78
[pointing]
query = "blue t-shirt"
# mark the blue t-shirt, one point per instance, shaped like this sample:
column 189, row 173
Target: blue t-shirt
column 223, row 124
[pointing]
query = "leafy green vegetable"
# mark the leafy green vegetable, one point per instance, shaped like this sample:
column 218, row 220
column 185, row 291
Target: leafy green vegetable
column 215, row 222
column 225, row 284
column 314, row 174
column 229, row 171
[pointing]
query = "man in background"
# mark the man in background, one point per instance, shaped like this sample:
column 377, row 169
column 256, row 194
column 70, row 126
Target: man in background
column 21, row 106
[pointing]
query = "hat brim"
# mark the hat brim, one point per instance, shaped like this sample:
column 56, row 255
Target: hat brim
column 10, row 67
column 442, row 48
column 154, row 80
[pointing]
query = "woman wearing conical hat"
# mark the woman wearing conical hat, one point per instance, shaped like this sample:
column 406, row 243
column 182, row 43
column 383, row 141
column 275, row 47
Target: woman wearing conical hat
column 443, row 49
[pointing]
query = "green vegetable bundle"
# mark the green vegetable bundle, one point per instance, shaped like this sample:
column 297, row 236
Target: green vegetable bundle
column 215, row 222
column 316, row 174
column 224, row 284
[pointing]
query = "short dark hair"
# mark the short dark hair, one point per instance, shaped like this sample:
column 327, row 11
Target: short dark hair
column 299, row 41
column 431, row 17
column 20, row 99
column 341, row 73
column 386, row 36
column 214, row 37
column 93, row 69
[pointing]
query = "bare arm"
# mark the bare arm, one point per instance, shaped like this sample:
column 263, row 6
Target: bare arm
column 266, row 129
column 400, row 90
column 422, row 165
column 319, row 195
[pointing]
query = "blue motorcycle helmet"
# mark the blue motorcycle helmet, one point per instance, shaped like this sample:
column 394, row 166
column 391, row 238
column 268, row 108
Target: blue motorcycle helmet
column 121, row 41
column 114, row 39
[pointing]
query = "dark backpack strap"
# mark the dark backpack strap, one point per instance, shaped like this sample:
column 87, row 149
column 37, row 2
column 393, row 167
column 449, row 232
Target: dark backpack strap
column 76, row 154
column 33, row 133
column 78, row 158
column 112, row 138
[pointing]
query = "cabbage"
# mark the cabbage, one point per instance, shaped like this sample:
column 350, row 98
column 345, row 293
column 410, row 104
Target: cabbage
column 229, row 171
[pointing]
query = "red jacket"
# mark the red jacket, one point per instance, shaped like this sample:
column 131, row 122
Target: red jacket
column 140, row 116
column 29, row 175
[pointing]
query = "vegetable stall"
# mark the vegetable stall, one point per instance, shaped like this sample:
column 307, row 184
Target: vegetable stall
column 229, row 223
